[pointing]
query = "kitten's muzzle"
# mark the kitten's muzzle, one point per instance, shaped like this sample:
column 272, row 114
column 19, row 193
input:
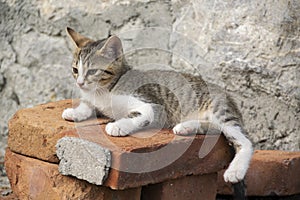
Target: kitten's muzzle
column 83, row 86
column 80, row 84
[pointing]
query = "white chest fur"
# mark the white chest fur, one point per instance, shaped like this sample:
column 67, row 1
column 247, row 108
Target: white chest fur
column 116, row 106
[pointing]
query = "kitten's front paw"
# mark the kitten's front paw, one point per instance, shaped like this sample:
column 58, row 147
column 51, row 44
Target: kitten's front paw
column 68, row 114
column 72, row 115
column 188, row 128
column 179, row 129
column 234, row 175
column 116, row 129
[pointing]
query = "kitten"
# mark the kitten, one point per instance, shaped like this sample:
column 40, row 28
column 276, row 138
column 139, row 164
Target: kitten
column 155, row 98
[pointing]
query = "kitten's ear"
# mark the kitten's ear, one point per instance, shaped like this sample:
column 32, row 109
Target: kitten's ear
column 79, row 40
column 112, row 48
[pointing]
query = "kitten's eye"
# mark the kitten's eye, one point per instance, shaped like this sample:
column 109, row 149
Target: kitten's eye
column 75, row 70
column 92, row 71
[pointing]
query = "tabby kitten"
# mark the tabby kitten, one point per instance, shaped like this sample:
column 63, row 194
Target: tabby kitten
column 155, row 98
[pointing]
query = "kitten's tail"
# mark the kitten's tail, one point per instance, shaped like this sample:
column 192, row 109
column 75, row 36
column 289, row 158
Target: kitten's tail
column 239, row 190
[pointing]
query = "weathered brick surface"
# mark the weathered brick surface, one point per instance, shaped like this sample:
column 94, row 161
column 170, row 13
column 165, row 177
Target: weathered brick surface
column 270, row 173
column 188, row 161
column 35, row 131
column 34, row 179
column 188, row 188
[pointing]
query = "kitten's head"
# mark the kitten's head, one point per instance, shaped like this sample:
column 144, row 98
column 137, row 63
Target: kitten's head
column 97, row 64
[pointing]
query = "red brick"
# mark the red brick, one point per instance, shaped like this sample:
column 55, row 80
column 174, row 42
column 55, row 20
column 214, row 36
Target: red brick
column 188, row 188
column 34, row 132
column 270, row 173
column 34, row 179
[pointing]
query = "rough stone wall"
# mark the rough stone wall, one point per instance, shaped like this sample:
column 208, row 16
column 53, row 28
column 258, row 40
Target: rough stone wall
column 250, row 48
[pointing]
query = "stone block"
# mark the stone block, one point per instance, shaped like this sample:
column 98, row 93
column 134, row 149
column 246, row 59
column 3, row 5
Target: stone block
column 83, row 159
column 270, row 173
column 188, row 188
column 34, row 179
column 143, row 158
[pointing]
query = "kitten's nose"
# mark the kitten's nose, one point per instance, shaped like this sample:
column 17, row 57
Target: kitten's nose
column 80, row 81
column 80, row 84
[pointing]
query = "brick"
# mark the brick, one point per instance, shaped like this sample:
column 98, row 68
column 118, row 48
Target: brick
column 34, row 179
column 196, row 187
column 132, row 155
column 270, row 173
column 35, row 131
column 141, row 159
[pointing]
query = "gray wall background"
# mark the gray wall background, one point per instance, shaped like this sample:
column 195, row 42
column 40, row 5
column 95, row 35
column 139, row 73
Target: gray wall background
column 250, row 48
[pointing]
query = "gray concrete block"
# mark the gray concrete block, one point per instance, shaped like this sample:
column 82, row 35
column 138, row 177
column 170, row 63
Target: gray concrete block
column 83, row 159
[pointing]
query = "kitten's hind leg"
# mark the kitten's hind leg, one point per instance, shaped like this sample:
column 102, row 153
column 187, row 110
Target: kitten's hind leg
column 188, row 128
column 243, row 147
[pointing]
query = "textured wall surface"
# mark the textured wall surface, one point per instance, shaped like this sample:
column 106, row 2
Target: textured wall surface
column 250, row 48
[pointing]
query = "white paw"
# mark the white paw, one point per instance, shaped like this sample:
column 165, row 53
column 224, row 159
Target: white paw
column 116, row 129
column 73, row 115
column 68, row 114
column 180, row 129
column 234, row 175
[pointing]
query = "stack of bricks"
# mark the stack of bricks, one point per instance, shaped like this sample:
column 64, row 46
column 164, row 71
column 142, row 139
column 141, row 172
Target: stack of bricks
column 190, row 168
column 178, row 170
